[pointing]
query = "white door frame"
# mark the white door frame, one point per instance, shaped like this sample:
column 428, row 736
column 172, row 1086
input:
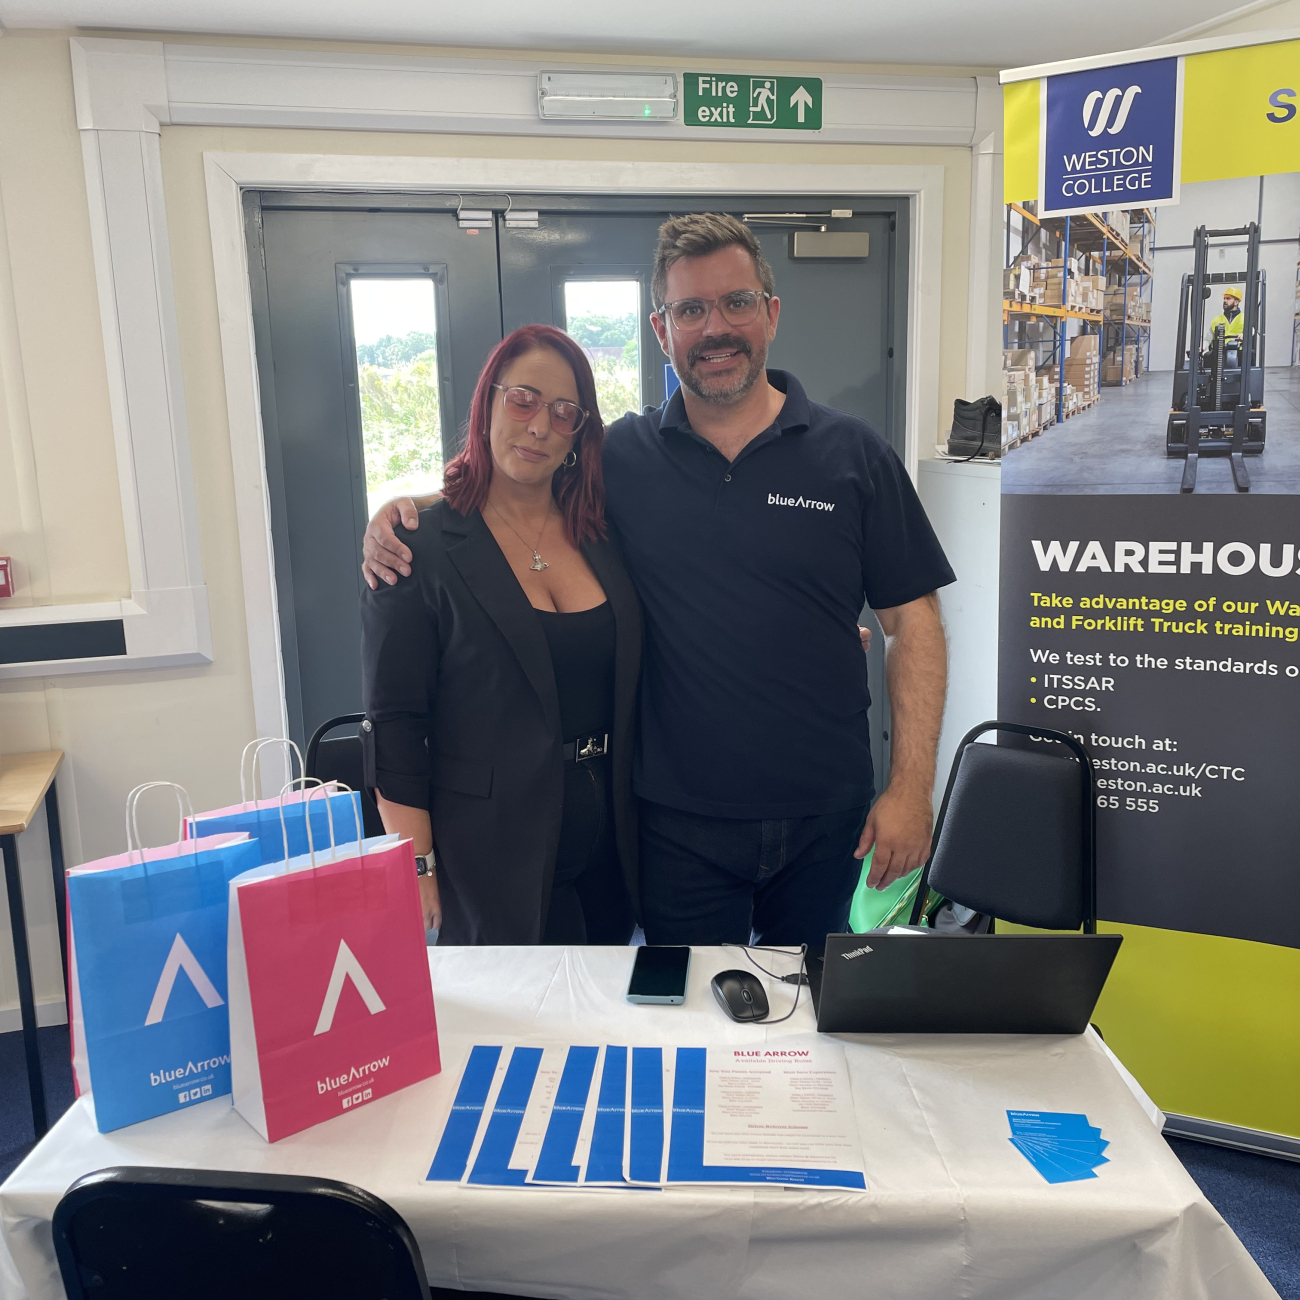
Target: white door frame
column 228, row 175
column 126, row 91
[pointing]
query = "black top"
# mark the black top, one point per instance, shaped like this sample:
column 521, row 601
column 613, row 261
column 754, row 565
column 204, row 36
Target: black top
column 582, row 658
column 752, row 576
column 463, row 718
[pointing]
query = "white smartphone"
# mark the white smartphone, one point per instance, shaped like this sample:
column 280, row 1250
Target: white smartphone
column 659, row 976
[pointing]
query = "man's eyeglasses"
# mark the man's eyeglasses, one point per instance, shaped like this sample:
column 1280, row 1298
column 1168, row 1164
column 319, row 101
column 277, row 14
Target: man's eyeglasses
column 522, row 404
column 740, row 307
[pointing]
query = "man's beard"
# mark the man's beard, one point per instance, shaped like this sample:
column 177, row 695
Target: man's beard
column 727, row 390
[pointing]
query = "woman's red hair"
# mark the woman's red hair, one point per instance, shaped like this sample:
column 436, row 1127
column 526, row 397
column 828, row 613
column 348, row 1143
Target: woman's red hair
column 579, row 489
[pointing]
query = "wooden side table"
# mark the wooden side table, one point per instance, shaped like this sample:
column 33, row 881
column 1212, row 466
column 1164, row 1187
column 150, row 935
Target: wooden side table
column 26, row 779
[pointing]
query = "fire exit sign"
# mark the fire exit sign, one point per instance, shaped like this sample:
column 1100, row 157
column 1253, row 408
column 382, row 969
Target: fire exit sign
column 752, row 103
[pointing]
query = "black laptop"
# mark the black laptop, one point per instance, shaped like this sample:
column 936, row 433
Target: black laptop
column 919, row 982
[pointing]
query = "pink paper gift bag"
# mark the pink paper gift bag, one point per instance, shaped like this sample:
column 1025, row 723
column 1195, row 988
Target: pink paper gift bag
column 331, row 1005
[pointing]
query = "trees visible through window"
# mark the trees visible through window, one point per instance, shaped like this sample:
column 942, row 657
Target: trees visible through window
column 395, row 331
column 604, row 316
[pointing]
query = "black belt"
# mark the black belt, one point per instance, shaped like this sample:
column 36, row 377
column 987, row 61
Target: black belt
column 585, row 747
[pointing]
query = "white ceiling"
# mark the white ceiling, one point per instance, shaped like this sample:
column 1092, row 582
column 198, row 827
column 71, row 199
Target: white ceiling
column 992, row 33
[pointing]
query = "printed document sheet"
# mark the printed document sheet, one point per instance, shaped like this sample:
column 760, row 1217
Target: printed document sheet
column 773, row 1113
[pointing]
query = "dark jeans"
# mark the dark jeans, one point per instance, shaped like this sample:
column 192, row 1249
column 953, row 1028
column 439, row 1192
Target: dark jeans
column 589, row 902
column 709, row 880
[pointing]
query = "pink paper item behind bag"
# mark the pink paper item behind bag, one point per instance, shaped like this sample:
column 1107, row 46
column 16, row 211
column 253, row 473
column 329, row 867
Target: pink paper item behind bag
column 331, row 1005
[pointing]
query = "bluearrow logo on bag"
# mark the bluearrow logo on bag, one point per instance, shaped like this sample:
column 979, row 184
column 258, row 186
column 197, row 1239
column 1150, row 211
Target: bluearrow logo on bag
column 356, row 1072
column 180, row 958
column 857, row 952
column 1110, row 137
column 184, row 1071
column 346, row 966
column 805, row 503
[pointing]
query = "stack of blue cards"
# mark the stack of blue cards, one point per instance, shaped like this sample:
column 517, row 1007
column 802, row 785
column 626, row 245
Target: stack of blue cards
column 1063, row 1148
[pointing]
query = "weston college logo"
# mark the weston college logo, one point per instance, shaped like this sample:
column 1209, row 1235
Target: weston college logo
column 1111, row 138
column 1107, row 102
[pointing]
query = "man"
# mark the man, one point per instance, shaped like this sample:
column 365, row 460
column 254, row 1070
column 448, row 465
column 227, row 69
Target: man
column 1230, row 317
column 754, row 524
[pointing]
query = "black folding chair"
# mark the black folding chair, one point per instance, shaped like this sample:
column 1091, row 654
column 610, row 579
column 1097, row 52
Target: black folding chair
column 203, row 1234
column 339, row 759
column 1016, row 836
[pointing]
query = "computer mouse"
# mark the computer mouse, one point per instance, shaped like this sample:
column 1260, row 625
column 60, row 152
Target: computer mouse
column 740, row 994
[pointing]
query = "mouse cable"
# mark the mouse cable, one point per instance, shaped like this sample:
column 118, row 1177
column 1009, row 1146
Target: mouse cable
column 799, row 979
column 795, row 977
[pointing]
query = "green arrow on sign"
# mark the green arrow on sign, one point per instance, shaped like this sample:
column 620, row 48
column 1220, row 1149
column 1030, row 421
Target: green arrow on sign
column 743, row 103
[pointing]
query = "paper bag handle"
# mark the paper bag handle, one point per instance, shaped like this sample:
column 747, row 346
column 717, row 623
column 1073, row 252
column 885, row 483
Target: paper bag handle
column 284, row 830
column 247, row 771
column 336, row 787
column 184, row 809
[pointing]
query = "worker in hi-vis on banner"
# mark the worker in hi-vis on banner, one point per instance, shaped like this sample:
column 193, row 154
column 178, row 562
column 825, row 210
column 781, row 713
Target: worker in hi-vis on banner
column 1230, row 317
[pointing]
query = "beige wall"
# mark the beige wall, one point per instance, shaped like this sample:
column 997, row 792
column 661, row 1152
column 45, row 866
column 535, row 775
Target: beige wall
column 60, row 513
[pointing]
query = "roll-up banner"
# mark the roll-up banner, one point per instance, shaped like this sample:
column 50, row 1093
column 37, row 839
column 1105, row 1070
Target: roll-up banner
column 1150, row 570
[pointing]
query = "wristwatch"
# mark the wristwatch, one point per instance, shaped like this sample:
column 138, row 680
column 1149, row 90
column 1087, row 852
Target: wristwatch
column 424, row 864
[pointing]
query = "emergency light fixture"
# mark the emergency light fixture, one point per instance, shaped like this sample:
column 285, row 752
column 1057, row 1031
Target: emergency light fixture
column 631, row 96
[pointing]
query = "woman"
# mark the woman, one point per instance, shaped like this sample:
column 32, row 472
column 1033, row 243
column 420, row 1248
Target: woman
column 500, row 681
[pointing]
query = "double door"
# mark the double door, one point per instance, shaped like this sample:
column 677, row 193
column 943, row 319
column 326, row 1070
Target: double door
column 374, row 314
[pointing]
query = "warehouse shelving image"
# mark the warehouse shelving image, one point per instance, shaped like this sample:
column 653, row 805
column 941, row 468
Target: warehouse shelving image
column 1127, row 311
column 1102, row 344
column 1092, row 268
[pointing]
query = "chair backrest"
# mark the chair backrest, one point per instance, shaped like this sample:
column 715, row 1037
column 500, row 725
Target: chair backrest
column 1015, row 837
column 158, row 1234
column 339, row 759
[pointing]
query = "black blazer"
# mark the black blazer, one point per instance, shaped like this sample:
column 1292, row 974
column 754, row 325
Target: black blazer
column 456, row 655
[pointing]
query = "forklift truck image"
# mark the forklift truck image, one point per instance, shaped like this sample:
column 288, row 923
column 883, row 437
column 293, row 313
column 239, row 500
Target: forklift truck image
column 1218, row 401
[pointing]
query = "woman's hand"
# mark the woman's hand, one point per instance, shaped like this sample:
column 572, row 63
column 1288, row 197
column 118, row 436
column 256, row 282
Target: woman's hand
column 430, row 903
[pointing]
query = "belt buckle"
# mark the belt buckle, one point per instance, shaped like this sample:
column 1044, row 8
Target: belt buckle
column 589, row 748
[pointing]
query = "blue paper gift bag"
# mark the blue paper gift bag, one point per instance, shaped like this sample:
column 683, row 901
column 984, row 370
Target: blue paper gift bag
column 261, row 821
column 147, row 967
column 270, row 821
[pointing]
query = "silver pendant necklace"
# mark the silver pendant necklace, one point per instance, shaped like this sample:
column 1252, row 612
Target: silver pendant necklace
column 538, row 563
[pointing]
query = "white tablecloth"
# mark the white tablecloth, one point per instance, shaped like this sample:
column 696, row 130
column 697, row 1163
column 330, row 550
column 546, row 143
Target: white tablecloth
column 951, row 1208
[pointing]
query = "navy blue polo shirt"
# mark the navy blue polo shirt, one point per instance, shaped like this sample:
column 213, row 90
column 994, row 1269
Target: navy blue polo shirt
column 752, row 575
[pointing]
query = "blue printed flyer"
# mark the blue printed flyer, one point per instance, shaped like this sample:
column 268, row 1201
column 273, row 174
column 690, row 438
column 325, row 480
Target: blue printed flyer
column 612, row 1116
column 1064, row 1148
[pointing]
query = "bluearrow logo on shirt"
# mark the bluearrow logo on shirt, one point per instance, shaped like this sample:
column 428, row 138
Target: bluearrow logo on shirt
column 805, row 503
column 857, row 952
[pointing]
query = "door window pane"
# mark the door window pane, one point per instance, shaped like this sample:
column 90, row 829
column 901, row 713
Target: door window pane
column 604, row 316
column 395, row 330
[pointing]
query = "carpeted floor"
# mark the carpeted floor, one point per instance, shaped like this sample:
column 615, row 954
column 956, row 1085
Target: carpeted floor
column 15, row 1102
column 1259, row 1196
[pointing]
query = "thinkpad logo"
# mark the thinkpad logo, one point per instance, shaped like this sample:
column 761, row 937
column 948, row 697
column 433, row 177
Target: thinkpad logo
column 857, row 952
